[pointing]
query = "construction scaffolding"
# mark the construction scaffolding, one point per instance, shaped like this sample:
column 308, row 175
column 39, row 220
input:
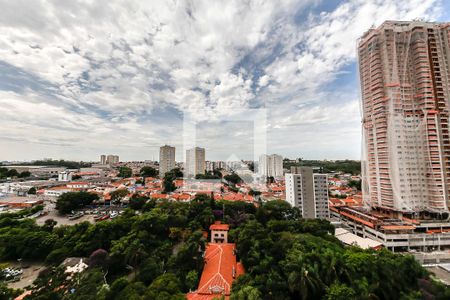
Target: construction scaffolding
column 404, row 71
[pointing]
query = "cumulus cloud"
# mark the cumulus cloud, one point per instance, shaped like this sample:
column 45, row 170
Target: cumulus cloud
column 118, row 75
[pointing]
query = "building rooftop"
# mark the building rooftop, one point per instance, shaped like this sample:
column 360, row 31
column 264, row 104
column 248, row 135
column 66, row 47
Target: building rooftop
column 218, row 226
column 349, row 238
column 221, row 268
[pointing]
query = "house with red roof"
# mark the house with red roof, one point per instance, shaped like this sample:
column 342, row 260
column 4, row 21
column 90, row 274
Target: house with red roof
column 221, row 266
column 158, row 196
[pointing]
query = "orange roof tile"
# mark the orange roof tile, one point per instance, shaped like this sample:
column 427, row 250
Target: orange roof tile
column 158, row 196
column 219, row 226
column 23, row 295
column 221, row 268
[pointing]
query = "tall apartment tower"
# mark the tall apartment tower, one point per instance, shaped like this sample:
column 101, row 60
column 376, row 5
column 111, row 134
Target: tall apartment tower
column 270, row 165
column 103, row 159
column 308, row 192
column 195, row 162
column 404, row 73
column 166, row 160
column 112, row 159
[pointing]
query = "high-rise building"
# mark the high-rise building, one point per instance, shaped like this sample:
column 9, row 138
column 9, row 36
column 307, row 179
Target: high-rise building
column 308, row 192
column 103, row 159
column 405, row 71
column 112, row 159
column 210, row 166
column 195, row 162
column 166, row 159
column 270, row 165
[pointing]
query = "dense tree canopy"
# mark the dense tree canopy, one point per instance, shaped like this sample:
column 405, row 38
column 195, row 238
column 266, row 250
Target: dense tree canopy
column 148, row 172
column 157, row 253
column 233, row 178
column 346, row 166
column 208, row 175
column 5, row 173
column 58, row 163
column 125, row 172
column 74, row 200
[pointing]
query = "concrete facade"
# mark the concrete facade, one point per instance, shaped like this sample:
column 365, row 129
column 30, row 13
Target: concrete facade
column 195, row 162
column 308, row 192
column 166, row 159
column 405, row 86
column 270, row 165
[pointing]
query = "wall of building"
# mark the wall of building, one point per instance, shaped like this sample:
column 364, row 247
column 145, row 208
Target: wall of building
column 166, row 160
column 308, row 192
column 404, row 72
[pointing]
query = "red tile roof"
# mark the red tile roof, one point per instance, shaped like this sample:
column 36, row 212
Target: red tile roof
column 23, row 295
column 218, row 226
column 181, row 196
column 221, row 268
column 158, row 196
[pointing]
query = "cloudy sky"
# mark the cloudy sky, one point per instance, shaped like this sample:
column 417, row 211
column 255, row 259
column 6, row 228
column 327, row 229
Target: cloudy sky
column 81, row 78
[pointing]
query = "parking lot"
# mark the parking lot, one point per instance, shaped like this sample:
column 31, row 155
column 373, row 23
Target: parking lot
column 90, row 214
column 52, row 213
column 30, row 273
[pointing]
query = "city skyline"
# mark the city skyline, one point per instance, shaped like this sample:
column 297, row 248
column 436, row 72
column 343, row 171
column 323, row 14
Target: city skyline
column 71, row 88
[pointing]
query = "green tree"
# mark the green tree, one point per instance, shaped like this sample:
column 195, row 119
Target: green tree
column 166, row 286
column 169, row 177
column 74, row 200
column 118, row 195
column 254, row 192
column 148, row 172
column 49, row 224
column 149, row 270
column 339, row 291
column 32, row 191
column 192, row 279
column 168, row 185
column 116, row 287
column 355, row 184
column 137, row 202
column 24, row 174
column 12, row 173
column 87, row 286
column 125, row 172
column 247, row 293
column 3, row 172
column 233, row 178
column 8, row 293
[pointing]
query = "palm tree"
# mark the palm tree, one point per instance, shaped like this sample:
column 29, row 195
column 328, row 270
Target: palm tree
column 303, row 277
column 134, row 253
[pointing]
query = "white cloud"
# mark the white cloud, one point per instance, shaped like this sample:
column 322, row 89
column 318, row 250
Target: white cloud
column 114, row 69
